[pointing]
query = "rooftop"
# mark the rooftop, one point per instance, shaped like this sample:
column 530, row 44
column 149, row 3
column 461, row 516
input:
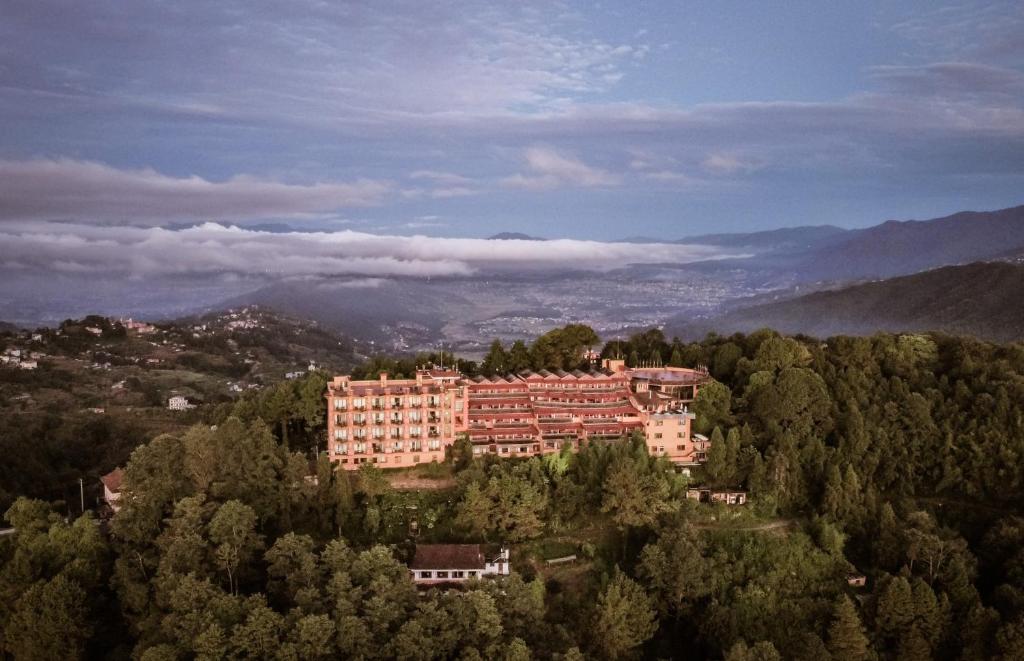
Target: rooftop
column 448, row 556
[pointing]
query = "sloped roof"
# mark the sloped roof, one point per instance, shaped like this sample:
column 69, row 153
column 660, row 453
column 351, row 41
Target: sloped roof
column 112, row 480
column 448, row 556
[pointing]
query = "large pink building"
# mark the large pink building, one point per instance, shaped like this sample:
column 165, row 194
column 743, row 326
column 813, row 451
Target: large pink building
column 395, row 422
column 401, row 422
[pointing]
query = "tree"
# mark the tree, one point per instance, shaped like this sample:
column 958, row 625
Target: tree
column 712, row 406
column 624, row 618
column 846, row 637
column 716, row 466
column 49, row 622
column 474, row 511
column 762, row 650
column 676, row 360
column 518, row 507
column 293, row 571
column 233, row 531
column 518, row 358
column 635, row 497
column 496, row 360
column 895, row 612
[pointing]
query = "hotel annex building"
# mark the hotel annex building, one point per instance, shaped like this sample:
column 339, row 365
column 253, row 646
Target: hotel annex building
column 402, row 422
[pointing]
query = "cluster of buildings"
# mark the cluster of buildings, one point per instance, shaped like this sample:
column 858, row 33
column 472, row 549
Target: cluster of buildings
column 402, row 422
column 26, row 360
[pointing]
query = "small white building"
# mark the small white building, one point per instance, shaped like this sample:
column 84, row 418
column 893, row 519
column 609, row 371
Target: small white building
column 112, row 488
column 94, row 330
column 179, row 403
column 28, row 364
column 455, row 563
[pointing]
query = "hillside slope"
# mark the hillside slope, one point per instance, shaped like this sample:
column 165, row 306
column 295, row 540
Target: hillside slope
column 980, row 299
column 904, row 247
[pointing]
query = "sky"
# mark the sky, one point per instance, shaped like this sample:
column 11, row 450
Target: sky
column 458, row 120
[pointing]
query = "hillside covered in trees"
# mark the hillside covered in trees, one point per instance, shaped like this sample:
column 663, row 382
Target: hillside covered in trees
column 980, row 300
column 895, row 456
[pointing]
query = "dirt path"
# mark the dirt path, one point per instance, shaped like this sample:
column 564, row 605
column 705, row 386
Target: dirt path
column 409, row 483
column 778, row 524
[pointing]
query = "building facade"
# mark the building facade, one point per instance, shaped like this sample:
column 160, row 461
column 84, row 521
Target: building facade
column 395, row 422
column 402, row 422
column 454, row 563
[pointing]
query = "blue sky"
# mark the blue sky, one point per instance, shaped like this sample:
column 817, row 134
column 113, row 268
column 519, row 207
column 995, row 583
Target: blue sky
column 580, row 120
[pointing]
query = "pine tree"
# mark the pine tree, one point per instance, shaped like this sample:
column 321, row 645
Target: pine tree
column 847, row 640
column 716, row 465
column 624, row 618
column 895, row 613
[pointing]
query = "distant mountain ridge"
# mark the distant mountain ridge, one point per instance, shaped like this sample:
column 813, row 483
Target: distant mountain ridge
column 980, row 299
column 902, row 247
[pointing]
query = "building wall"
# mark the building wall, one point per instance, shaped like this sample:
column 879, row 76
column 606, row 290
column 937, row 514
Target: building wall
column 402, row 422
column 669, row 435
column 393, row 422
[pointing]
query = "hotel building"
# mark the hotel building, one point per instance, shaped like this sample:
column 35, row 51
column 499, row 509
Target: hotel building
column 402, row 422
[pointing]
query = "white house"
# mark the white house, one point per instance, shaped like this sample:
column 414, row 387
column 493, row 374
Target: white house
column 455, row 563
column 112, row 488
column 28, row 365
column 179, row 403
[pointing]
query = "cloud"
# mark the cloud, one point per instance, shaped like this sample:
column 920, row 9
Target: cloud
column 951, row 79
column 551, row 169
column 69, row 189
column 213, row 249
column 729, row 163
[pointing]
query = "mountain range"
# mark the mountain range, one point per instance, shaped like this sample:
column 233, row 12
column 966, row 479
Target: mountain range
column 982, row 299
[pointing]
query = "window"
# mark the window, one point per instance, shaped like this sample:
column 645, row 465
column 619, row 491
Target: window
column 472, row 574
column 426, row 574
column 341, row 434
column 458, row 574
column 434, row 445
column 341, row 448
column 442, row 574
column 340, row 404
column 658, row 435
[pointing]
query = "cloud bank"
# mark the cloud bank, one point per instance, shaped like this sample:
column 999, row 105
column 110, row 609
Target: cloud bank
column 228, row 250
column 64, row 188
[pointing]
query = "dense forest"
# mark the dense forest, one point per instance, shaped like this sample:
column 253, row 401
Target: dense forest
column 898, row 457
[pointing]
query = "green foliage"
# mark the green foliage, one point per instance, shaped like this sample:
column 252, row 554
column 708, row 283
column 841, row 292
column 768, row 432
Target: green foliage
column 624, row 618
column 893, row 456
column 846, row 637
